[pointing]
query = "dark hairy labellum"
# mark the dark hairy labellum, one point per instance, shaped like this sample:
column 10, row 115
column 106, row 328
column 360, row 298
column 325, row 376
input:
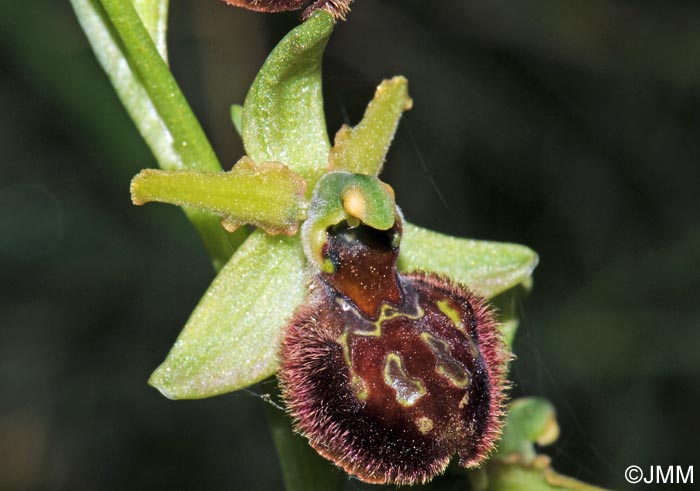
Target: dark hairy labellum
column 337, row 8
column 390, row 375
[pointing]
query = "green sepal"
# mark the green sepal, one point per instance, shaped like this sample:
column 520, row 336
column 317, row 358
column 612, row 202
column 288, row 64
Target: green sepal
column 363, row 149
column 283, row 119
column 340, row 196
column 487, row 268
column 232, row 338
column 269, row 196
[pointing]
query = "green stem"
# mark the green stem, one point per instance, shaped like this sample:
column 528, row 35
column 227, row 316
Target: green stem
column 188, row 140
column 303, row 469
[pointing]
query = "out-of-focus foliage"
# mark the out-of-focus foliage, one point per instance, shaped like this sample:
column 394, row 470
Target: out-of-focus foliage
column 567, row 126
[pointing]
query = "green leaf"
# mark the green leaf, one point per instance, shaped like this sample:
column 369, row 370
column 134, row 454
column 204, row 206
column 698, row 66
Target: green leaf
column 283, row 119
column 269, row 196
column 154, row 15
column 233, row 336
column 363, row 149
column 143, row 82
column 487, row 268
column 127, row 83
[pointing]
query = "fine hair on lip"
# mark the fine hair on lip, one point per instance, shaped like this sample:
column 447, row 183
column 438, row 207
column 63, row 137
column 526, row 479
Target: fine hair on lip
column 389, row 375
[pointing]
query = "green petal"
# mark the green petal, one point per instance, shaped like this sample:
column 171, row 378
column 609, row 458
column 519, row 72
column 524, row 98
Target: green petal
column 233, row 336
column 283, row 119
column 363, row 149
column 269, row 196
column 487, row 268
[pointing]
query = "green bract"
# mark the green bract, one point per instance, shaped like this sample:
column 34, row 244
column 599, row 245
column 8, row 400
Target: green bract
column 517, row 466
column 530, row 420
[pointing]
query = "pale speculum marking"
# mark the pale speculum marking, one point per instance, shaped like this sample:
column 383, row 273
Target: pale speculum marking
column 358, row 385
column 386, row 313
column 424, row 424
column 408, row 389
column 374, row 329
column 447, row 365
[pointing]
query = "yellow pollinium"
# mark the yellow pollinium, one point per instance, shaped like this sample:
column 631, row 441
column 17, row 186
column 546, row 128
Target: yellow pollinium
column 424, row 424
column 355, row 203
column 342, row 196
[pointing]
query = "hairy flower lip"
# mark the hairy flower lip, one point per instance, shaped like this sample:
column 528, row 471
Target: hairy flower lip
column 337, row 8
column 389, row 375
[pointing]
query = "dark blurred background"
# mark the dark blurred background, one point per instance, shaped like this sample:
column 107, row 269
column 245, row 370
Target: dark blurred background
column 572, row 127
